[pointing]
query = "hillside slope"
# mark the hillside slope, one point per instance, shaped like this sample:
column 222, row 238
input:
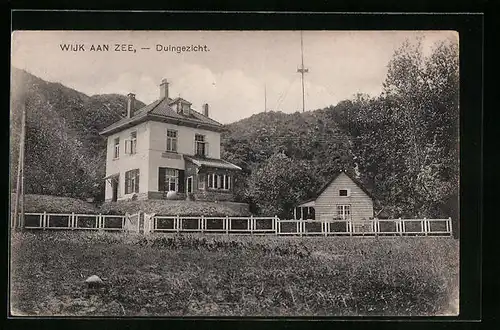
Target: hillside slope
column 64, row 153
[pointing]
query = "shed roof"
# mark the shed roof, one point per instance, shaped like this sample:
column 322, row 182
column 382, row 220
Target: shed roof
column 160, row 110
column 335, row 176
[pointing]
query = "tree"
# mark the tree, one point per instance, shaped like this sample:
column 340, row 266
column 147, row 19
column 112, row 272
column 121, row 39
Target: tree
column 280, row 183
column 407, row 139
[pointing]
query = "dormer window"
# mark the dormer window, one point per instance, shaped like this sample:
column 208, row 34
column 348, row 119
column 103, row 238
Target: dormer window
column 185, row 109
column 181, row 106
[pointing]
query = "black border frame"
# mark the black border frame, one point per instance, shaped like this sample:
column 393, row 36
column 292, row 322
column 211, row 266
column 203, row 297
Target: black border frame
column 471, row 30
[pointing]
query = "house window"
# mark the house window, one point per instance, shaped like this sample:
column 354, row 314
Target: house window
column 226, row 182
column 185, row 109
column 171, row 140
column 171, row 179
column 210, row 179
column 201, row 147
column 132, row 181
column 131, row 143
column 116, row 153
column 344, row 212
column 344, row 192
column 219, row 181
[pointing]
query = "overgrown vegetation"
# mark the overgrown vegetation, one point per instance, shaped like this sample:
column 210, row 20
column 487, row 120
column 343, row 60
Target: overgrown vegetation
column 227, row 275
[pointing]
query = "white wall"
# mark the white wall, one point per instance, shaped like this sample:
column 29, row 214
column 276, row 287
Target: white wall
column 326, row 203
column 128, row 162
column 185, row 146
column 151, row 144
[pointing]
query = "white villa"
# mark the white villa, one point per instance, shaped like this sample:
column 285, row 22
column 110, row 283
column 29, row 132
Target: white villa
column 166, row 146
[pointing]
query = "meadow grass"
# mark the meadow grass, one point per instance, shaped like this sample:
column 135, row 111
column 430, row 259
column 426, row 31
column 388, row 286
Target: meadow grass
column 221, row 275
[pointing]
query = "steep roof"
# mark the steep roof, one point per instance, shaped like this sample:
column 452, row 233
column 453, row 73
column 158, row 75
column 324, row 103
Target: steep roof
column 160, row 110
column 335, row 176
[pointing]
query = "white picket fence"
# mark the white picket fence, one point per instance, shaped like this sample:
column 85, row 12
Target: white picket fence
column 72, row 221
column 151, row 223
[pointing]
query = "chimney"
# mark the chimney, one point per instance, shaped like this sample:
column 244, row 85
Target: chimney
column 163, row 89
column 205, row 109
column 130, row 105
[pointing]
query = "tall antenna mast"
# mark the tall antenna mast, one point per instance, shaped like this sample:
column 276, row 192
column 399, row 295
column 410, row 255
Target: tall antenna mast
column 302, row 70
column 265, row 98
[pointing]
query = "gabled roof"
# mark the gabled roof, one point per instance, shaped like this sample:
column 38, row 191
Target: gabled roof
column 335, row 176
column 160, row 110
column 212, row 162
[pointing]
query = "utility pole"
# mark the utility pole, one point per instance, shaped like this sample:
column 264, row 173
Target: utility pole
column 302, row 70
column 19, row 206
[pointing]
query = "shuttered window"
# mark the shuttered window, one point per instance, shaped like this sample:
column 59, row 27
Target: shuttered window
column 170, row 179
column 132, row 181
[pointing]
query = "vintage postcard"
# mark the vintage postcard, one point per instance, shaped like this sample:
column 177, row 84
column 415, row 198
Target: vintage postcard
column 234, row 173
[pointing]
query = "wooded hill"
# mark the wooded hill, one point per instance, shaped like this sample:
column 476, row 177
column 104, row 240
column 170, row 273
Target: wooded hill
column 403, row 144
column 64, row 155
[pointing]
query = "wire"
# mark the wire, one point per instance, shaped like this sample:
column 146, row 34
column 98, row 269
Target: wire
column 286, row 93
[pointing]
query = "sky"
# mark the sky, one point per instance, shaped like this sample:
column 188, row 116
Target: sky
column 238, row 73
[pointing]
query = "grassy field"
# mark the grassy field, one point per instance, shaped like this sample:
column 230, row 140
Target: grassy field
column 232, row 276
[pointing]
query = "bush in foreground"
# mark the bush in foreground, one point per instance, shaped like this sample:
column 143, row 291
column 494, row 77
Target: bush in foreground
column 169, row 275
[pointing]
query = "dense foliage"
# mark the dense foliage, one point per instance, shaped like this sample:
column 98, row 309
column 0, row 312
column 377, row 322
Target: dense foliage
column 64, row 154
column 403, row 144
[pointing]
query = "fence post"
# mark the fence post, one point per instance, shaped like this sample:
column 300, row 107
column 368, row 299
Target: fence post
column 45, row 220
column 100, row 222
column 178, row 221
column 449, row 226
column 202, row 220
column 425, row 226
column 401, row 227
column 251, row 224
column 349, row 222
column 227, row 224
column 276, row 224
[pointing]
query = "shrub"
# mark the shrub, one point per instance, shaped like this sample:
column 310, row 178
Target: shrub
column 55, row 204
column 174, row 207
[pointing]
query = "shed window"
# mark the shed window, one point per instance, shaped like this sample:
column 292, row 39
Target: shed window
column 344, row 212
